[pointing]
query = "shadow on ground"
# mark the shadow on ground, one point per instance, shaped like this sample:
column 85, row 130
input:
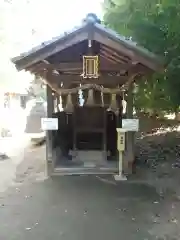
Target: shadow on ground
column 79, row 208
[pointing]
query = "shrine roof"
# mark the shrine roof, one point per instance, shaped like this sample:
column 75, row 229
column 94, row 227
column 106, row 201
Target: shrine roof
column 102, row 34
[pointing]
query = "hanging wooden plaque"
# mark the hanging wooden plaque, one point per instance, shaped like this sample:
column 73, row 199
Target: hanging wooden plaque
column 90, row 67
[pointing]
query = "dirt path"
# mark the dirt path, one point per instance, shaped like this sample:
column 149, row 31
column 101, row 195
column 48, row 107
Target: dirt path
column 33, row 167
column 83, row 207
column 13, row 148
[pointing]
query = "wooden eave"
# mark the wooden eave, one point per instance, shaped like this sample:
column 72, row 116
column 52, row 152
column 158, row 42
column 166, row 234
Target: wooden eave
column 49, row 48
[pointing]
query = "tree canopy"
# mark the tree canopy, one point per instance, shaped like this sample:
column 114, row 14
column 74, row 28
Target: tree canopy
column 153, row 24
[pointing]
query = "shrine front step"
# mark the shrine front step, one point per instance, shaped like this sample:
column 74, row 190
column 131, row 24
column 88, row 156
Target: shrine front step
column 90, row 156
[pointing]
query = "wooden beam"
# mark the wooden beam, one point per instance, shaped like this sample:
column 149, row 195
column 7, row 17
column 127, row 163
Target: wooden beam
column 78, row 66
column 60, row 66
column 105, row 79
column 79, row 80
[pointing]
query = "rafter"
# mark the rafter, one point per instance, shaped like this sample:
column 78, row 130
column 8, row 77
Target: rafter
column 115, row 53
column 106, row 58
column 110, row 56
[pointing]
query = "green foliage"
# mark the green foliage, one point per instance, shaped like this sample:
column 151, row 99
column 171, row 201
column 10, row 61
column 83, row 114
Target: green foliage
column 153, row 24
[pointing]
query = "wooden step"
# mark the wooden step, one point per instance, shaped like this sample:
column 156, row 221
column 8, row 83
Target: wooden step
column 89, row 156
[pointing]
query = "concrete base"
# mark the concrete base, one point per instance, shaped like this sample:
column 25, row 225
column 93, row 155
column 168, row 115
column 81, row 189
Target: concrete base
column 120, row 178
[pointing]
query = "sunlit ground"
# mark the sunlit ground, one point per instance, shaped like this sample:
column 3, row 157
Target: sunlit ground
column 170, row 116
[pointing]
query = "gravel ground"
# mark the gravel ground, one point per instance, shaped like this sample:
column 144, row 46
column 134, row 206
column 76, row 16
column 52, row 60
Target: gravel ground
column 83, row 207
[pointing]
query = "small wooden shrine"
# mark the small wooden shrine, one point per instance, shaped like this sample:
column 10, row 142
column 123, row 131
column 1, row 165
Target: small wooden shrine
column 88, row 72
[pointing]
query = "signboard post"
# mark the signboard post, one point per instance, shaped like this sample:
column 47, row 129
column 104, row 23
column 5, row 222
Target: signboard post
column 121, row 147
column 128, row 125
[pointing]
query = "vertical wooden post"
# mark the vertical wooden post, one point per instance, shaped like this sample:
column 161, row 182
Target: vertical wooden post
column 129, row 155
column 104, row 136
column 49, row 147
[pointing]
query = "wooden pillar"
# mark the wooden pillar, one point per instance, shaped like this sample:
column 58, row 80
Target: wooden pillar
column 119, row 124
column 119, row 113
column 129, row 153
column 49, row 140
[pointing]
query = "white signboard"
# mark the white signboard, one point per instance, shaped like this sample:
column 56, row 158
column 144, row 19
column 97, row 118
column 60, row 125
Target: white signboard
column 49, row 124
column 131, row 125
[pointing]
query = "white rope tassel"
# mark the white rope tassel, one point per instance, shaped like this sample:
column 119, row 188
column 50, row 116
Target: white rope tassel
column 113, row 106
column 90, row 99
column 69, row 105
column 102, row 99
column 124, row 104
